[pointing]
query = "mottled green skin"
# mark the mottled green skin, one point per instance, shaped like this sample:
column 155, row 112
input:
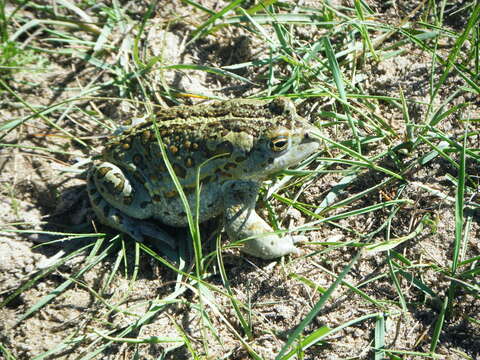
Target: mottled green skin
column 256, row 138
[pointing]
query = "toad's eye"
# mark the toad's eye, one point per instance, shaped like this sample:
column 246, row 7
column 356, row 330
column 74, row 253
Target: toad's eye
column 280, row 143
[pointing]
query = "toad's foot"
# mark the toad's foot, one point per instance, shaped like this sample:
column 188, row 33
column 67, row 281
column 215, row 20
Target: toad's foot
column 243, row 222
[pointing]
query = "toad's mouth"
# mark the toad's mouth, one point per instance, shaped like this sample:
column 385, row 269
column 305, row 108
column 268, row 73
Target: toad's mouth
column 293, row 157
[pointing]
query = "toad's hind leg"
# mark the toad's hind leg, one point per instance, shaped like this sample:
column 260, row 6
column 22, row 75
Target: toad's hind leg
column 241, row 221
column 111, row 195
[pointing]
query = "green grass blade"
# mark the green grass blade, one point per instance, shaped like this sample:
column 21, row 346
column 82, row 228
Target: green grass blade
column 337, row 76
column 454, row 53
column 316, row 309
column 379, row 342
column 203, row 29
column 459, row 208
column 437, row 331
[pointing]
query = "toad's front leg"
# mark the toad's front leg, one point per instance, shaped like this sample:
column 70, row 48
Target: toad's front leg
column 241, row 221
